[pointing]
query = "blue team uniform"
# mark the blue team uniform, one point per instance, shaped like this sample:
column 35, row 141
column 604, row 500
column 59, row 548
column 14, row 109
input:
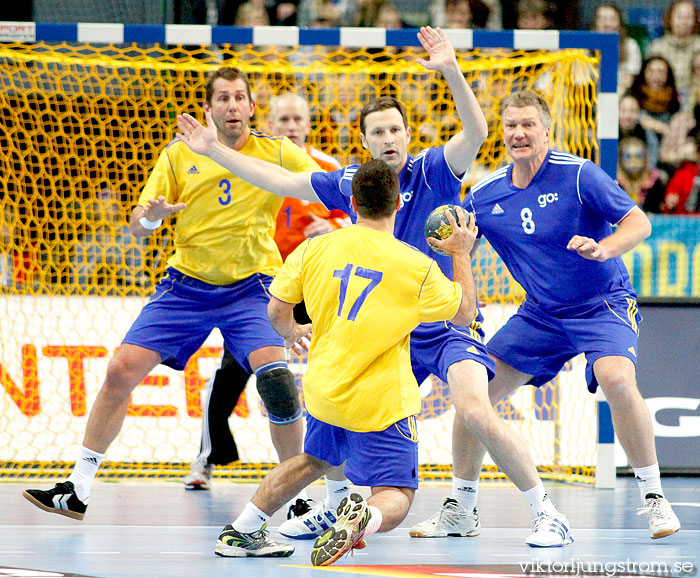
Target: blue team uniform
column 426, row 183
column 573, row 305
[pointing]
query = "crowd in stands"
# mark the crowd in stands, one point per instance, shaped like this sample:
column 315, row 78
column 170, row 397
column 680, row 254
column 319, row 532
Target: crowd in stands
column 659, row 110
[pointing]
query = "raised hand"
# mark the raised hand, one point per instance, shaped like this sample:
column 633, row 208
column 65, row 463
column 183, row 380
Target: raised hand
column 195, row 135
column 440, row 50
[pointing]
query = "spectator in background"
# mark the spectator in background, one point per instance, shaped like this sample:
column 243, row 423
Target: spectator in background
column 561, row 15
column 608, row 18
column 463, row 14
column 252, row 13
column 326, row 13
column 629, row 118
column 634, row 175
column 683, row 191
column 389, row 17
column 691, row 103
column 655, row 90
column 678, row 144
column 679, row 42
column 109, row 254
column 534, row 15
column 278, row 13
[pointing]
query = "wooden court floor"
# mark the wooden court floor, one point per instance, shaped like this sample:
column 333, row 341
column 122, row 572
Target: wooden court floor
column 157, row 529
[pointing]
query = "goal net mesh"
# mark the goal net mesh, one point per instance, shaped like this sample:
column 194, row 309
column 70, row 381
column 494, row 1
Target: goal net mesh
column 81, row 127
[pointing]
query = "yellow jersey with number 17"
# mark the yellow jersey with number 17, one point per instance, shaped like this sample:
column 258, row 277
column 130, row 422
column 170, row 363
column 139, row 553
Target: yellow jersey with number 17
column 365, row 291
column 226, row 233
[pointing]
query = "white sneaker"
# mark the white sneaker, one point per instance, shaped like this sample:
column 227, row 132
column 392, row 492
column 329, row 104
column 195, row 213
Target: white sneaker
column 662, row 521
column 549, row 532
column 198, row 478
column 310, row 524
column 451, row 520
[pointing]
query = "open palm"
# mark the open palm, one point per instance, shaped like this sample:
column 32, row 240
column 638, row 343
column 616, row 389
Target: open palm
column 195, row 135
column 439, row 48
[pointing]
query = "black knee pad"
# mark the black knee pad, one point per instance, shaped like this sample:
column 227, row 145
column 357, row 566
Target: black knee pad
column 278, row 391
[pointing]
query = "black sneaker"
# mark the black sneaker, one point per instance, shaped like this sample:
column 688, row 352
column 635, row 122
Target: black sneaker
column 299, row 508
column 59, row 500
column 239, row 545
column 346, row 534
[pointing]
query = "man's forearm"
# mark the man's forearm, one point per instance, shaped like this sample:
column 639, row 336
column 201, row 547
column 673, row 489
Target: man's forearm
column 462, row 148
column 463, row 274
column 631, row 231
column 282, row 319
column 262, row 174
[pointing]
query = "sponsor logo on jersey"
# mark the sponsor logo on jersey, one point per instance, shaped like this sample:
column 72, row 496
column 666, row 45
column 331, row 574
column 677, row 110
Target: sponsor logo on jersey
column 546, row 199
column 193, row 170
column 497, row 210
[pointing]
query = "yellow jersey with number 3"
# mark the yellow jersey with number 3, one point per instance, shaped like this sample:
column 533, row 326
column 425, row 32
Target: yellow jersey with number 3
column 226, row 233
column 365, row 291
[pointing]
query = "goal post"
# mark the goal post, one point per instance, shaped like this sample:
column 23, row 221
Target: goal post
column 84, row 111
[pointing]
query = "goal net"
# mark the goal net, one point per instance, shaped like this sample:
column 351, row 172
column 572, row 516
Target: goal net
column 81, row 126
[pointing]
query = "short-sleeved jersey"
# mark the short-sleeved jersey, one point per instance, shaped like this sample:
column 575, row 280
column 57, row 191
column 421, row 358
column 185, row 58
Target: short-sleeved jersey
column 530, row 229
column 226, row 232
column 365, row 291
column 427, row 182
column 293, row 216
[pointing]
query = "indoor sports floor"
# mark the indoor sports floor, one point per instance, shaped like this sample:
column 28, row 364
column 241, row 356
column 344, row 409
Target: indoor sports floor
column 157, row 529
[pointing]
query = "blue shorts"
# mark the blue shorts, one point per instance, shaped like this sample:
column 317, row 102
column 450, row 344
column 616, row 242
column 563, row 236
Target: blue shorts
column 539, row 344
column 183, row 311
column 381, row 458
column 436, row 346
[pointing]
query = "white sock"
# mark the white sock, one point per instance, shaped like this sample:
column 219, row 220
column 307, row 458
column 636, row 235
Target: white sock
column 539, row 501
column 84, row 472
column 465, row 492
column 251, row 519
column 336, row 491
column 648, row 480
column 300, row 496
column 375, row 521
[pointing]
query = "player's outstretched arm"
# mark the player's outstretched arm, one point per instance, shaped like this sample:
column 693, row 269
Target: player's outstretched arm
column 146, row 219
column 631, row 231
column 274, row 178
column 462, row 148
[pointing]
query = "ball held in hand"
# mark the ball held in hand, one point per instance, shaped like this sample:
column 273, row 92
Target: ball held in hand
column 437, row 225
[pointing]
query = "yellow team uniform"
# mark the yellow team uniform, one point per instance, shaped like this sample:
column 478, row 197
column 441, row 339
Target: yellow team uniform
column 226, row 233
column 365, row 292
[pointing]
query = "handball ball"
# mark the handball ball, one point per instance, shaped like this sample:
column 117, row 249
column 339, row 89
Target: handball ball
column 437, row 225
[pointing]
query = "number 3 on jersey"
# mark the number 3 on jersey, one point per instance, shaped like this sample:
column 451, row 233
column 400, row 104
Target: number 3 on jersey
column 344, row 275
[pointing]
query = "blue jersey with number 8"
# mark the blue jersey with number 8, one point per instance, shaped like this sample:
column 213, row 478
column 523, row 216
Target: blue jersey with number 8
column 530, row 229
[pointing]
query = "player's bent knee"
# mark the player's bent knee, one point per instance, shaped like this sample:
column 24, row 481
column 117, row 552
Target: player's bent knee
column 278, row 391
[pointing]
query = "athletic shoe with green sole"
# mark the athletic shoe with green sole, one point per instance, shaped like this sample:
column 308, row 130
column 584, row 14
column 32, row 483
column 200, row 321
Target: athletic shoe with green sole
column 345, row 535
